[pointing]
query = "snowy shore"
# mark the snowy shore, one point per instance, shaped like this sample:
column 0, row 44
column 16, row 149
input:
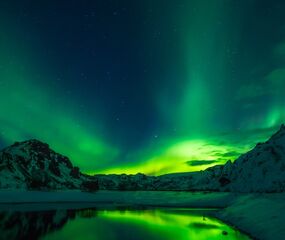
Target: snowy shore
column 260, row 215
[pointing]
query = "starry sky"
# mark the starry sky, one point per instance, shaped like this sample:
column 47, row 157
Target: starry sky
column 142, row 86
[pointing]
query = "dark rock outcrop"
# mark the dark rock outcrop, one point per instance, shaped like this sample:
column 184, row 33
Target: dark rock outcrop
column 33, row 165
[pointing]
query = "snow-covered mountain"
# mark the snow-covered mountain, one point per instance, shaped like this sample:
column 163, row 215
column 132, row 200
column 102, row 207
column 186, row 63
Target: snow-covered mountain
column 33, row 165
column 260, row 170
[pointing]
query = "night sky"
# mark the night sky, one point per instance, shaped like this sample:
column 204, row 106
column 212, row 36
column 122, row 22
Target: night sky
column 145, row 86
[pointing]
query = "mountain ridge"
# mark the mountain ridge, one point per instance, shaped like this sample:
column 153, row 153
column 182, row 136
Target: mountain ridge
column 33, row 165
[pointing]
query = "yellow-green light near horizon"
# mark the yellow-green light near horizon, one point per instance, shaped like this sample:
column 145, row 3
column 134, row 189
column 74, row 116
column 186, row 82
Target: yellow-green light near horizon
column 181, row 156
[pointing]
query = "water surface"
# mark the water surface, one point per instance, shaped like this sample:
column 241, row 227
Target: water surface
column 118, row 224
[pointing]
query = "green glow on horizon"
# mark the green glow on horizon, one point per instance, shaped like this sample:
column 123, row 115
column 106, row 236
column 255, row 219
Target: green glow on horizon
column 174, row 158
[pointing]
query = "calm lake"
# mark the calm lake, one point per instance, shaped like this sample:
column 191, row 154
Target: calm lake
column 164, row 224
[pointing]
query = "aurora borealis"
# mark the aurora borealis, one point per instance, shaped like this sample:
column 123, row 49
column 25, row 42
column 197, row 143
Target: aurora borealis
column 142, row 86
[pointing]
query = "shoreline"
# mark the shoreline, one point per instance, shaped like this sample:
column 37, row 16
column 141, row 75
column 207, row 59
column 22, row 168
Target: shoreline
column 261, row 216
column 236, row 227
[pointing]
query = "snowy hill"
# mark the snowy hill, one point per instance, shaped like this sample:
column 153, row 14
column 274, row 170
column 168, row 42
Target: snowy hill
column 260, row 170
column 33, row 165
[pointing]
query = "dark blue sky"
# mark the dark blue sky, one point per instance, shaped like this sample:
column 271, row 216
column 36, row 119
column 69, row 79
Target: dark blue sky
column 139, row 76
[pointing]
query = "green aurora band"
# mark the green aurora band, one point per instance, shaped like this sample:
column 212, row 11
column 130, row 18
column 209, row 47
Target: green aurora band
column 32, row 108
